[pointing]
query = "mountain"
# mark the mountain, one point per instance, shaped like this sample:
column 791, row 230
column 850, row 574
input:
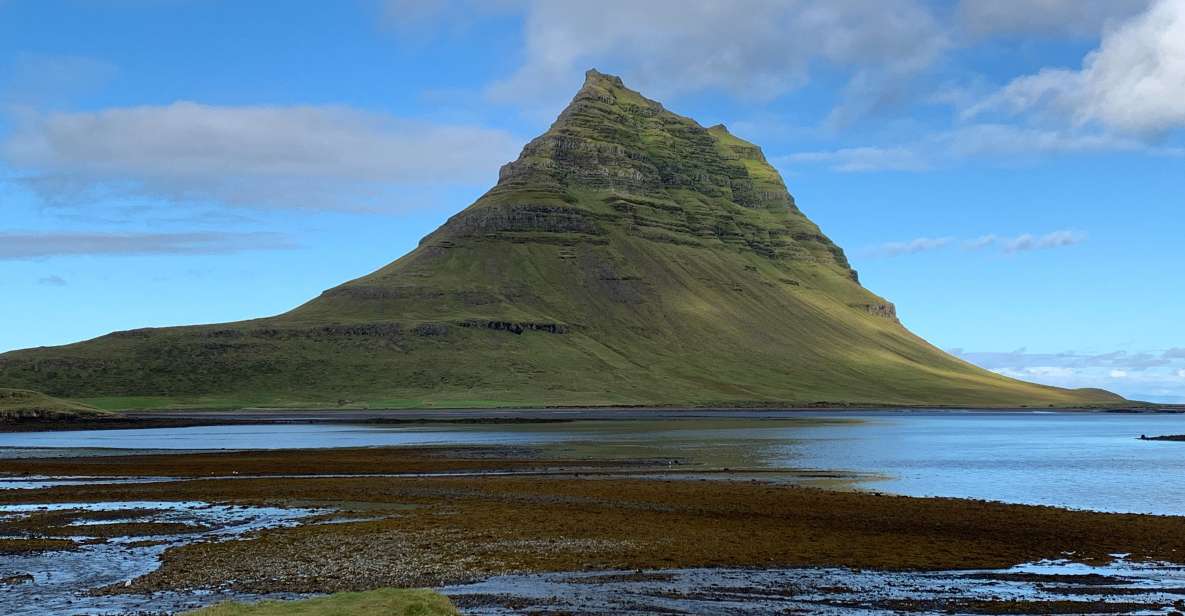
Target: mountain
column 629, row 256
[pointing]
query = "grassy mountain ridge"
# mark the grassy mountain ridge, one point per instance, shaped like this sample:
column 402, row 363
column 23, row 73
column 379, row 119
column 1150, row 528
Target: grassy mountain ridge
column 628, row 256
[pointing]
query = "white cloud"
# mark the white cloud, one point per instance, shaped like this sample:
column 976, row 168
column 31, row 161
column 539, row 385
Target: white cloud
column 921, row 244
column 328, row 157
column 981, row 242
column 1007, row 141
column 1118, row 374
column 1020, row 359
column 1064, row 17
column 1057, row 239
column 863, row 159
column 1181, row 373
column 41, row 245
column 1049, row 371
column 759, row 49
column 1020, row 243
column 1002, row 143
column 1133, row 82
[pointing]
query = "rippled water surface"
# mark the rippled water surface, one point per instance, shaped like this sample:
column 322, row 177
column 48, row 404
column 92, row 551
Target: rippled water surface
column 1081, row 460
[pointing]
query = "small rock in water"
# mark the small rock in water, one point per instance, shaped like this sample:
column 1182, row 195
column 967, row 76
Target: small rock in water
column 20, row 578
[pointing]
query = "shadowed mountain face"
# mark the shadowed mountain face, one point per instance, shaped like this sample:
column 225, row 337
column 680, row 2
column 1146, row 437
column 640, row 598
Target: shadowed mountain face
column 629, row 256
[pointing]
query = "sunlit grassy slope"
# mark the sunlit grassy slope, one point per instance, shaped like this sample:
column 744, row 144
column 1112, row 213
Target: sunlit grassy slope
column 629, row 256
column 22, row 403
column 384, row 602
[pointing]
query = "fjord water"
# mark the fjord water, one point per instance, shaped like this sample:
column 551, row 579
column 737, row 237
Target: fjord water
column 1066, row 459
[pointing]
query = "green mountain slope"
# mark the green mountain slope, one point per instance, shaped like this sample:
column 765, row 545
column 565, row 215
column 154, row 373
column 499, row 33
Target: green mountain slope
column 629, row 256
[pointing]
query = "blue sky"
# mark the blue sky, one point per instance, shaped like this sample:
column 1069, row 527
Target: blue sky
column 1009, row 173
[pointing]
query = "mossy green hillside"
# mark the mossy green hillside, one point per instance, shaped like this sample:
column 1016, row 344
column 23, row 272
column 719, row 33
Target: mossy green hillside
column 628, row 256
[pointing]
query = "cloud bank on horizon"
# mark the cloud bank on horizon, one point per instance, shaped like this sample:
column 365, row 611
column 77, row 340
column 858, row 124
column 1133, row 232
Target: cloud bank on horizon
column 392, row 114
column 1156, row 376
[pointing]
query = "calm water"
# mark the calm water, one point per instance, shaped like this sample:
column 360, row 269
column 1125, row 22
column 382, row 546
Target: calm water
column 1081, row 460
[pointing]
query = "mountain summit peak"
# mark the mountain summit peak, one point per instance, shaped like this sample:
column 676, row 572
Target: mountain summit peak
column 594, row 76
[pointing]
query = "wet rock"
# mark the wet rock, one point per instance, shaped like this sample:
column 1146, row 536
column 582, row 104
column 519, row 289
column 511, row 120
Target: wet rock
column 20, row 578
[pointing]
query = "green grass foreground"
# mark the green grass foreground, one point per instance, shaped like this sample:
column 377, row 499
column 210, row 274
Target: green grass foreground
column 383, row 602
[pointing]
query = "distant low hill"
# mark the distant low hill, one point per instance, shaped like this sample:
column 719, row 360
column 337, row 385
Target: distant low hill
column 20, row 404
column 629, row 256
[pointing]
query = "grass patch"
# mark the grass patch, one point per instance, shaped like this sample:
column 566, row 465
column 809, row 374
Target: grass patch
column 383, row 602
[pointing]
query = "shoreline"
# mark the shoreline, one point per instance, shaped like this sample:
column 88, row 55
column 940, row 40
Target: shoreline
column 479, row 472
column 124, row 420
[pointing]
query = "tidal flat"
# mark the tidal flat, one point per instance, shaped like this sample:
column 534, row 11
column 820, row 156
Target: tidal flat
column 540, row 528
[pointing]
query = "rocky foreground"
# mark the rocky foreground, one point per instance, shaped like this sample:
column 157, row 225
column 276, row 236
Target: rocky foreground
column 416, row 517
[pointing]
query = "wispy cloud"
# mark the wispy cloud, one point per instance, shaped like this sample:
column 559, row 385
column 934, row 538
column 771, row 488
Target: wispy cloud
column 1003, row 144
column 981, row 242
column 15, row 246
column 1119, row 360
column 321, row 157
column 52, row 281
column 863, row 159
column 914, row 246
column 1008, row 245
column 1057, row 239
